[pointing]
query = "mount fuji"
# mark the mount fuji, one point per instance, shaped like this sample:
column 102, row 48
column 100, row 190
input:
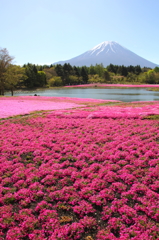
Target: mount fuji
column 109, row 52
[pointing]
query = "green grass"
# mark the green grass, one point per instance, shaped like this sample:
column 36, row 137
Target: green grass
column 152, row 117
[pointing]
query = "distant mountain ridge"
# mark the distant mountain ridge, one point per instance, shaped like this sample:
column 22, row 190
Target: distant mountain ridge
column 109, row 52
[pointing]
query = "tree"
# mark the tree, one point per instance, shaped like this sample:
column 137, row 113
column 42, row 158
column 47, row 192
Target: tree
column 156, row 69
column 92, row 70
column 73, row 80
column 55, row 82
column 67, row 70
column 137, row 70
column 5, row 61
column 112, row 68
column 99, row 69
column 12, row 77
column 34, row 78
column 77, row 71
column 106, row 75
column 60, row 72
column 84, row 74
column 131, row 77
column 41, row 78
column 95, row 79
column 50, row 72
column 124, row 71
column 150, row 77
column 31, row 76
column 131, row 69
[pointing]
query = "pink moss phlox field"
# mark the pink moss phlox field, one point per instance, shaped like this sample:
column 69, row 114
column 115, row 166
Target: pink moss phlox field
column 12, row 106
column 86, row 173
column 127, row 112
column 116, row 85
column 137, row 111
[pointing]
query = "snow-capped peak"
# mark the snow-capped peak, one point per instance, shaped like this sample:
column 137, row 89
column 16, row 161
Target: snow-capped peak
column 109, row 52
column 102, row 46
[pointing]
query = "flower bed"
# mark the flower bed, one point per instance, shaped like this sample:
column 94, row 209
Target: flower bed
column 88, row 174
column 24, row 105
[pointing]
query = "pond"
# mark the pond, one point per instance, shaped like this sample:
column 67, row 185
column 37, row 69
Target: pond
column 125, row 95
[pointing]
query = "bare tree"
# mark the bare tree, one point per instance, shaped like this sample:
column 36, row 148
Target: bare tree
column 5, row 61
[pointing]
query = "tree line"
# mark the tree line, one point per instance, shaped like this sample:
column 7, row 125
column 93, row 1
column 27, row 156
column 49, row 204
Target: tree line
column 36, row 76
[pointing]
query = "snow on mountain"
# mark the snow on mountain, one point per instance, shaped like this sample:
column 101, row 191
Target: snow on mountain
column 102, row 46
column 106, row 53
column 107, row 46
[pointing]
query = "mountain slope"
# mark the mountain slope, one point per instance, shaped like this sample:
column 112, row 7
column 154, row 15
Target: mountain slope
column 106, row 53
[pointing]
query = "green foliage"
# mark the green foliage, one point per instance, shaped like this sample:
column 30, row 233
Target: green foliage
column 55, row 82
column 131, row 77
column 123, row 70
column 31, row 73
column 149, row 77
column 72, row 75
column 92, row 70
column 113, row 68
column 77, row 71
column 59, row 70
column 9, row 200
column 99, row 69
column 142, row 77
column 41, row 77
column 34, row 77
column 152, row 117
column 13, row 75
column 74, row 80
column 5, row 61
column 106, row 76
column 137, row 69
column 156, row 69
column 50, row 72
column 67, row 71
column 84, row 74
column 95, row 79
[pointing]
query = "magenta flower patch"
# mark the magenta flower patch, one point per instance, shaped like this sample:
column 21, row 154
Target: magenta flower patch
column 87, row 173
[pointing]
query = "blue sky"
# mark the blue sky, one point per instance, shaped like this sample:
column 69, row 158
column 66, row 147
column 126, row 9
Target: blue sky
column 47, row 31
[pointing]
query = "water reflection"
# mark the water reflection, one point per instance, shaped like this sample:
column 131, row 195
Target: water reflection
column 126, row 95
